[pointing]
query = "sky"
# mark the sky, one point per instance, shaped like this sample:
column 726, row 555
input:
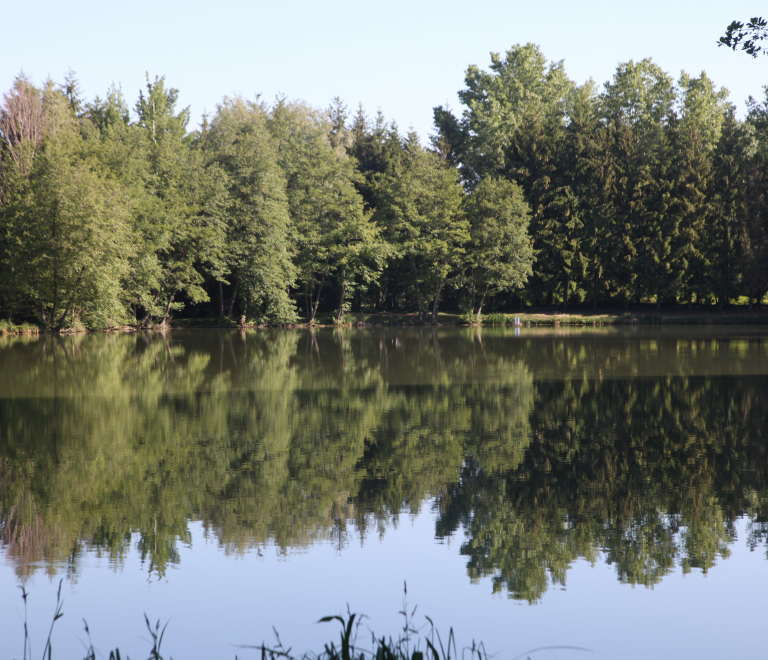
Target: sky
column 403, row 56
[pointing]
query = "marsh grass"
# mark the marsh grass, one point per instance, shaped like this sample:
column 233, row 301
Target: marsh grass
column 496, row 318
column 413, row 643
column 8, row 328
column 468, row 318
column 156, row 634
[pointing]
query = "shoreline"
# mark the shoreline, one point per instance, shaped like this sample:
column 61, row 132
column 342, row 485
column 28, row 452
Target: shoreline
column 387, row 319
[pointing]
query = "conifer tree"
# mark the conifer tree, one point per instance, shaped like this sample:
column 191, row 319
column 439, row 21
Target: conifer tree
column 730, row 160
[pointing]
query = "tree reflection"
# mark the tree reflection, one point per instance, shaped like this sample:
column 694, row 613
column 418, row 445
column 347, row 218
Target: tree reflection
column 641, row 452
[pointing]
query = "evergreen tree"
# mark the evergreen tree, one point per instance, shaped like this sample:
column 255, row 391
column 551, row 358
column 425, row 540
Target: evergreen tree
column 637, row 105
column 730, row 160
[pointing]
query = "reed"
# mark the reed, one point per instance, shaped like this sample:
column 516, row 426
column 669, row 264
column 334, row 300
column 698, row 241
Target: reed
column 412, row 643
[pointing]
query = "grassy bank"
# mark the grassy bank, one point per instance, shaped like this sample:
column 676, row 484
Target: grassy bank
column 682, row 317
column 551, row 318
column 7, row 328
column 531, row 318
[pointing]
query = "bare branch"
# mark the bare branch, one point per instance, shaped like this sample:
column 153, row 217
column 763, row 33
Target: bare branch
column 22, row 124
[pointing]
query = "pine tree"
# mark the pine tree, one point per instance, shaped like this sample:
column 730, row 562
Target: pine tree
column 728, row 212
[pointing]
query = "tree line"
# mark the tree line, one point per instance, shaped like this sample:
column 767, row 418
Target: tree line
column 540, row 192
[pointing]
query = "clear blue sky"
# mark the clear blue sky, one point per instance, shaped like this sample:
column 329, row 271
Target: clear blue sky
column 401, row 56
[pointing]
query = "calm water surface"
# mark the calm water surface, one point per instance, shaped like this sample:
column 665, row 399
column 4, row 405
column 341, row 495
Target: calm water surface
column 605, row 489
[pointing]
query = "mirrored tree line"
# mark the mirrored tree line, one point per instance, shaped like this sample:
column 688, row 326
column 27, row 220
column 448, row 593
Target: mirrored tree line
column 539, row 192
column 291, row 438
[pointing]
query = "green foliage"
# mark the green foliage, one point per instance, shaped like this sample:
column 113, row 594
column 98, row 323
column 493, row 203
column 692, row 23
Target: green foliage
column 540, row 192
column 263, row 441
column 334, row 236
column 254, row 205
column 519, row 87
column 422, row 218
column 500, row 251
column 495, row 319
column 746, row 36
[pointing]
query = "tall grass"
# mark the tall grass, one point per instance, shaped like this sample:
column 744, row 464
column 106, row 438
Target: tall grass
column 8, row 328
column 412, row 643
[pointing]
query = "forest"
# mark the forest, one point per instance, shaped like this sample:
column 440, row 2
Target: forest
column 538, row 192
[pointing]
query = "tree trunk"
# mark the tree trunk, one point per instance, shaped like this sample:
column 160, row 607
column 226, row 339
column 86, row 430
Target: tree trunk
column 472, row 298
column 316, row 304
column 60, row 325
column 340, row 316
column 221, row 299
column 418, row 292
column 232, row 301
column 482, row 300
column 565, row 295
column 306, row 301
column 436, row 302
column 55, row 269
column 168, row 307
column 594, row 291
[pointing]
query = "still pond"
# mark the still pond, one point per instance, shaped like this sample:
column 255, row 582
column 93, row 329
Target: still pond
column 604, row 489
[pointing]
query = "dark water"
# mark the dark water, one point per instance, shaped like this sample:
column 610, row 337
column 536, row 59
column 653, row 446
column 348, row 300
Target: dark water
column 605, row 489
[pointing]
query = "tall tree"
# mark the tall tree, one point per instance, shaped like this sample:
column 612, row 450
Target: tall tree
column 76, row 236
column 637, row 105
column 499, row 253
column 22, row 130
column 421, row 214
column 333, row 234
column 173, row 240
column 243, row 152
column 730, row 160
column 702, row 110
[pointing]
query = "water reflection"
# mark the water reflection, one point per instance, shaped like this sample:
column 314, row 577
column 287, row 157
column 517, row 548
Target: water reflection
column 636, row 448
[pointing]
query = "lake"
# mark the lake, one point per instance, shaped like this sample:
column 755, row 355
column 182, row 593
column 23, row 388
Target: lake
column 604, row 488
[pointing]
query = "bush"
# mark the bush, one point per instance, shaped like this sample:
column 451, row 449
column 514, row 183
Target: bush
column 496, row 319
column 468, row 318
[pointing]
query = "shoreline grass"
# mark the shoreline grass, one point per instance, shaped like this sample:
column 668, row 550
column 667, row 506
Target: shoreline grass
column 8, row 328
column 387, row 319
column 412, row 643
